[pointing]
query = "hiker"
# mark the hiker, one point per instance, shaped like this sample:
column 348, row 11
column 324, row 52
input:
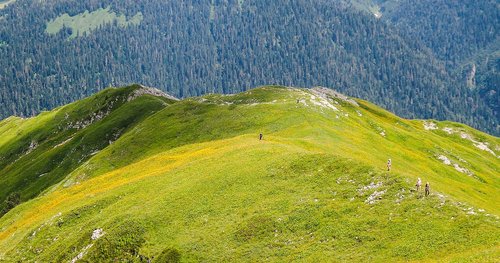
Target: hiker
column 427, row 189
column 261, row 136
column 389, row 164
column 419, row 183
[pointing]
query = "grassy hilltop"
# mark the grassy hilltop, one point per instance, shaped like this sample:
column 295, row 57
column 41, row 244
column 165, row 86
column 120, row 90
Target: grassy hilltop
column 157, row 179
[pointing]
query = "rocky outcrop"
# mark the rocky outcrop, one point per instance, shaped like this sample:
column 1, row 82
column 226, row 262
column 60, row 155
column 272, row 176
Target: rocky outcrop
column 149, row 91
column 334, row 94
column 471, row 77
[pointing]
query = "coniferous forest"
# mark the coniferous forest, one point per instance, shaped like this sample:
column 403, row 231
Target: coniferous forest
column 419, row 59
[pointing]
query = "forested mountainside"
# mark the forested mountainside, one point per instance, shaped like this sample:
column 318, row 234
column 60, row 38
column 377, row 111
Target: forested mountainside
column 54, row 52
column 453, row 30
column 133, row 175
column 463, row 34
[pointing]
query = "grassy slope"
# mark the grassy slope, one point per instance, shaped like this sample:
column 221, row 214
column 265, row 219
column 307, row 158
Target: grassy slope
column 193, row 180
column 86, row 22
column 57, row 146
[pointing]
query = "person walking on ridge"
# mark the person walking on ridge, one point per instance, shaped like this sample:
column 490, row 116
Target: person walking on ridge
column 419, row 183
column 389, row 164
column 427, row 189
column 261, row 137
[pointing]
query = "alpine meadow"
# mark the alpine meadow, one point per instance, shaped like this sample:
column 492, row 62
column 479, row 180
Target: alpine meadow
column 249, row 131
column 190, row 180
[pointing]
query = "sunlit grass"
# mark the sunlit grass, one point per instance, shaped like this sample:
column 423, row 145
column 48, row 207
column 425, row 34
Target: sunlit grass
column 86, row 22
column 194, row 180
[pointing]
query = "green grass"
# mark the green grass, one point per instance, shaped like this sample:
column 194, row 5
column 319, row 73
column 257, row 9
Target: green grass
column 191, row 182
column 60, row 146
column 86, row 22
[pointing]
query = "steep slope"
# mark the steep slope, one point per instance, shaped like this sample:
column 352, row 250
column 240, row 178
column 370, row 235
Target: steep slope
column 38, row 152
column 193, row 182
column 464, row 35
column 453, row 30
column 189, row 48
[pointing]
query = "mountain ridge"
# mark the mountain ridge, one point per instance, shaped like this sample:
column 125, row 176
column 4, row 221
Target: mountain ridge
column 234, row 46
column 316, row 185
column 66, row 131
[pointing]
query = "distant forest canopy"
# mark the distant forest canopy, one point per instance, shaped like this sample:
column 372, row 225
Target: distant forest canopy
column 420, row 60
